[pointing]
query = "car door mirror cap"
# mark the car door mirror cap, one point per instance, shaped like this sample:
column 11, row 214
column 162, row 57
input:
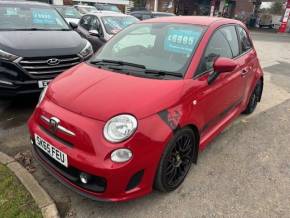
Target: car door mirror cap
column 73, row 25
column 94, row 33
column 224, row 65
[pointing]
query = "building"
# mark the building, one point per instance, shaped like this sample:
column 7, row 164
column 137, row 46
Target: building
column 227, row 8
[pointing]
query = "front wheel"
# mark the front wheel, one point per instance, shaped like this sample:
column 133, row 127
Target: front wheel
column 175, row 161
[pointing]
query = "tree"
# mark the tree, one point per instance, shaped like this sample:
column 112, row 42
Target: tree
column 277, row 7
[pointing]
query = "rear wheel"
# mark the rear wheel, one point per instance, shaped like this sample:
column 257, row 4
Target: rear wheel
column 254, row 99
column 175, row 161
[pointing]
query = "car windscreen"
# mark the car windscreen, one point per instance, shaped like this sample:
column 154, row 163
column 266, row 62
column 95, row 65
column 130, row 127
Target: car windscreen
column 69, row 12
column 157, row 46
column 29, row 17
column 108, row 8
column 114, row 24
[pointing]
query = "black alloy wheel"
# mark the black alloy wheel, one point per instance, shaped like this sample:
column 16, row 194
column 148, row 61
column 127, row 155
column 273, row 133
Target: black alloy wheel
column 176, row 161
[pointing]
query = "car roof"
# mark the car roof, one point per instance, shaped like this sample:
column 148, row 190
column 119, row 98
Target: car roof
column 196, row 20
column 85, row 6
column 108, row 13
column 22, row 2
column 141, row 11
column 160, row 12
column 63, row 6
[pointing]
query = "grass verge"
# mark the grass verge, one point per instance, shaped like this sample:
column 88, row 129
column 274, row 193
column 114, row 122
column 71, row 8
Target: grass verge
column 15, row 200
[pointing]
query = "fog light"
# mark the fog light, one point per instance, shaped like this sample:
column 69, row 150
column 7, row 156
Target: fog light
column 121, row 155
column 84, row 178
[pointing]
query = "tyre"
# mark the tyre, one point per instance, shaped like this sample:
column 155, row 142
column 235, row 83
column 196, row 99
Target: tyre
column 255, row 98
column 176, row 161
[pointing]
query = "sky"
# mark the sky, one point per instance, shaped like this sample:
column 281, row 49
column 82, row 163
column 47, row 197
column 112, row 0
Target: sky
column 266, row 4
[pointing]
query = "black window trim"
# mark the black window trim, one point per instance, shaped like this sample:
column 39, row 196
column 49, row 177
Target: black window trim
column 196, row 76
column 245, row 52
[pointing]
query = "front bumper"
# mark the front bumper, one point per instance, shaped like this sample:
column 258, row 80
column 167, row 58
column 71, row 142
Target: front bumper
column 88, row 152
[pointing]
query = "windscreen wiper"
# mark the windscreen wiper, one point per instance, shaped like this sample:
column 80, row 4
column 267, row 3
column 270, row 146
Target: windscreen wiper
column 118, row 63
column 162, row 73
column 39, row 29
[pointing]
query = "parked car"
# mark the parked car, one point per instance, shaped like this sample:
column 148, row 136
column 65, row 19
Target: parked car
column 266, row 21
column 69, row 13
column 99, row 27
column 36, row 44
column 107, row 7
column 144, row 15
column 276, row 21
column 144, row 106
column 85, row 9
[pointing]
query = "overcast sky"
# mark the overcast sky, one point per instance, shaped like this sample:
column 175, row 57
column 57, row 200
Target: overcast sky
column 266, row 4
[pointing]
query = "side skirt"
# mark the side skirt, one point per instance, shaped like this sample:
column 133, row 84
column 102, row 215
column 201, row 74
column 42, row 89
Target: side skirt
column 219, row 127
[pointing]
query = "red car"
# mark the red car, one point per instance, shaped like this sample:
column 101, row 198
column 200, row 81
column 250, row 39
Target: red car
column 137, row 114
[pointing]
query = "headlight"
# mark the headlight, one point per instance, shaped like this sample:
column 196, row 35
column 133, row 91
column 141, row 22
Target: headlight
column 7, row 56
column 42, row 95
column 87, row 51
column 120, row 128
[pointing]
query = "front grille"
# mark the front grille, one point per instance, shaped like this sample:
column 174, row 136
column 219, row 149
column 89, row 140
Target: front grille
column 38, row 66
column 54, row 136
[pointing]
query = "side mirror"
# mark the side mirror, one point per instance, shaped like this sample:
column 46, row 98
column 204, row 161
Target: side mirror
column 94, row 33
column 73, row 25
column 222, row 65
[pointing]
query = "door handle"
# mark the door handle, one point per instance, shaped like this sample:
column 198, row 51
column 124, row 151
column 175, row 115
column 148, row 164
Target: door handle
column 244, row 73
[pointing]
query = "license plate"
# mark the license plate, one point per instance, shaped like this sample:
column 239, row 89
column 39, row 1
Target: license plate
column 43, row 83
column 52, row 151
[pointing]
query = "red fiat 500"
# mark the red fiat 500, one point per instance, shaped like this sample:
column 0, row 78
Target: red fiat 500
column 136, row 115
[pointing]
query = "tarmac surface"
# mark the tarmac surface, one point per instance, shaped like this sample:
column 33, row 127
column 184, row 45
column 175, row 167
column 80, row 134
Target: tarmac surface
column 244, row 172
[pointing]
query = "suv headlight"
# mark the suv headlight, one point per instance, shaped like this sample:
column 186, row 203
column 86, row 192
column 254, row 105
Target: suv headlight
column 120, row 128
column 87, row 51
column 7, row 56
column 42, row 95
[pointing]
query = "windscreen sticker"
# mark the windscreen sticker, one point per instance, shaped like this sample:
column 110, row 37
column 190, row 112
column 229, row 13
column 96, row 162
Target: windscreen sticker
column 43, row 16
column 11, row 11
column 181, row 40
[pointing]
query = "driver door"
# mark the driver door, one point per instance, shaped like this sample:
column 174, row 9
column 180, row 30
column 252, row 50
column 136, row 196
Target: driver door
column 218, row 99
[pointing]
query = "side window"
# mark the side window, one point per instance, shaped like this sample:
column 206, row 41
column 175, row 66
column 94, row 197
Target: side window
column 217, row 47
column 231, row 35
column 85, row 22
column 244, row 40
column 95, row 24
column 146, row 16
